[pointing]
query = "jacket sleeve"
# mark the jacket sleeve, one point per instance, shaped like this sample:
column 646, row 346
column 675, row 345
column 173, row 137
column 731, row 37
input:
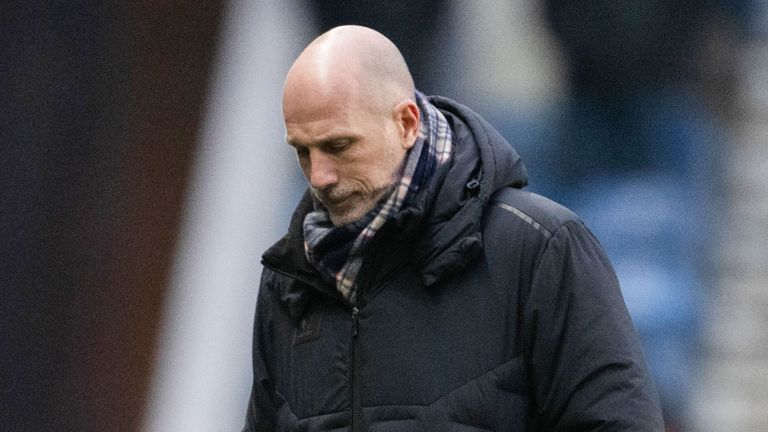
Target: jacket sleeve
column 588, row 372
column 262, row 409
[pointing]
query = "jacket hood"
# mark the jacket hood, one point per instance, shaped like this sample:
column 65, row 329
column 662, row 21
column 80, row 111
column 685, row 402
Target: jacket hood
column 483, row 162
column 446, row 216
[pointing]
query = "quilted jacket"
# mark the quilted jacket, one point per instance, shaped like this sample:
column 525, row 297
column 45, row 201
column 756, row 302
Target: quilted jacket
column 482, row 307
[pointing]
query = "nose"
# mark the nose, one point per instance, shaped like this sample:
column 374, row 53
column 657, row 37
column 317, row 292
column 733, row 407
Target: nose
column 322, row 171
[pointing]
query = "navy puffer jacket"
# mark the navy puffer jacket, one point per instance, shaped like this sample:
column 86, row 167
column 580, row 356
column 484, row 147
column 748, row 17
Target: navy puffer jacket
column 481, row 308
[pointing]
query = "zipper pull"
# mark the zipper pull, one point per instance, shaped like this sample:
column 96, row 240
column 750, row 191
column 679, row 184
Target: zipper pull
column 354, row 320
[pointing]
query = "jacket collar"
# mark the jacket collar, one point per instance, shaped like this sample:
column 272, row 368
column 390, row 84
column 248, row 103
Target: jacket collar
column 483, row 162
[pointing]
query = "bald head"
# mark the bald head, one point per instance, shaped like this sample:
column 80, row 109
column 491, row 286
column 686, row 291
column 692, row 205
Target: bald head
column 349, row 63
column 349, row 111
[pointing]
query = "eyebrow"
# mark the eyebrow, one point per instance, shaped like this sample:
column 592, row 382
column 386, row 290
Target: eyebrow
column 322, row 141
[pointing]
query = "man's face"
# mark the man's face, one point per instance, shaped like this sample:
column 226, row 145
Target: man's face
column 349, row 152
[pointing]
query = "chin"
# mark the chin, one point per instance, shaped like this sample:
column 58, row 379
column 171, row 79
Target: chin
column 348, row 217
column 356, row 208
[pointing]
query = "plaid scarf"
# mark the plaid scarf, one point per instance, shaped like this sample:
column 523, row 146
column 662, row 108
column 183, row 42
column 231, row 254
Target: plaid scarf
column 337, row 252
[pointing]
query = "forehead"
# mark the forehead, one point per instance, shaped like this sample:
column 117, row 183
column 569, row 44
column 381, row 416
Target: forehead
column 311, row 120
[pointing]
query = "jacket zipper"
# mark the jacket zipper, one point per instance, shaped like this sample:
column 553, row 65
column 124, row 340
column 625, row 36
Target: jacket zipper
column 354, row 356
column 354, row 360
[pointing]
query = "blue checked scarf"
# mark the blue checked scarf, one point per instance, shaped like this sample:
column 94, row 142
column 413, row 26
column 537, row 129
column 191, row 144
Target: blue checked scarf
column 337, row 252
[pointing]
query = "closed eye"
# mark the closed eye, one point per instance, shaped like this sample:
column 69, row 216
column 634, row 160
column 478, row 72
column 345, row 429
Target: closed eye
column 336, row 147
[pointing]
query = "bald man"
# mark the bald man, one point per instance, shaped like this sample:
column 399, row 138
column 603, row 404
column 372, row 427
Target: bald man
column 419, row 287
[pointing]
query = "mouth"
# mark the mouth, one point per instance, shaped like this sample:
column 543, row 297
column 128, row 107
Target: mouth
column 331, row 199
column 338, row 203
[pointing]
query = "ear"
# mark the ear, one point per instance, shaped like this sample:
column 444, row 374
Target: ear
column 407, row 117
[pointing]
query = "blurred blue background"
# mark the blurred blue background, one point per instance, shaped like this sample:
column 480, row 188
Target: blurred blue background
column 144, row 172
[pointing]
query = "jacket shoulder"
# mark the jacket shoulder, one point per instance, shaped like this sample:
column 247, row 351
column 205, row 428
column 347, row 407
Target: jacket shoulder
column 535, row 210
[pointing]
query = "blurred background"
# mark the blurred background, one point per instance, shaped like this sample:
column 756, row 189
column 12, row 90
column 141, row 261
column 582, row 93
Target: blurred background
column 143, row 173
